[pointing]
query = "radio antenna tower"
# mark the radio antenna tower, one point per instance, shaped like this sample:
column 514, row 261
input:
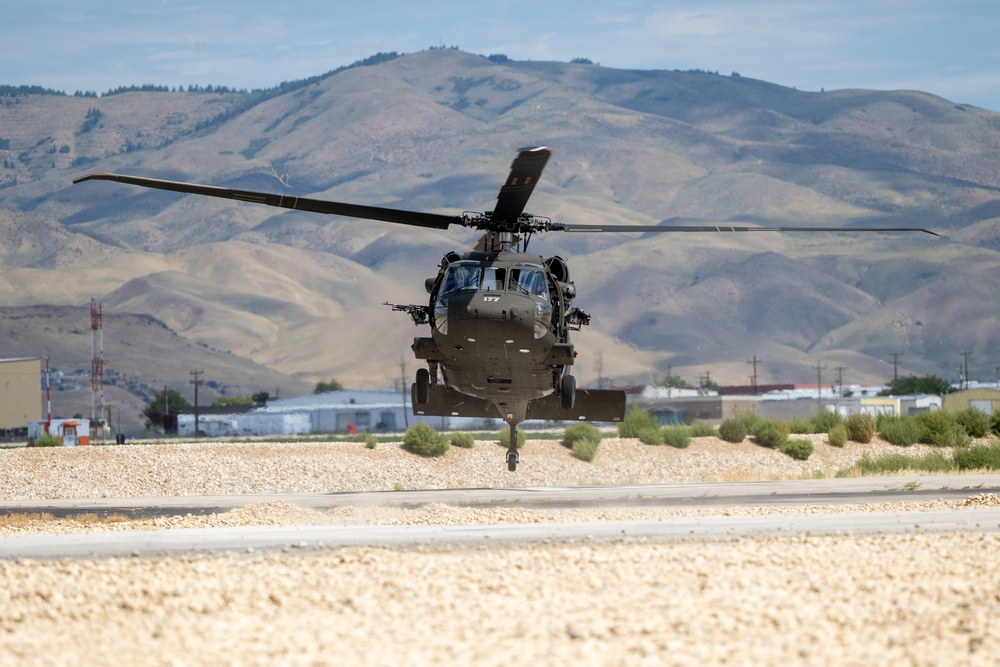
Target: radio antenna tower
column 97, row 407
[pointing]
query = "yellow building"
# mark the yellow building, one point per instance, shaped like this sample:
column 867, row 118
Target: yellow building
column 20, row 392
column 982, row 398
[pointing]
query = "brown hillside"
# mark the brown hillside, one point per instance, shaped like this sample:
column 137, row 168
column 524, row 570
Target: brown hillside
column 436, row 131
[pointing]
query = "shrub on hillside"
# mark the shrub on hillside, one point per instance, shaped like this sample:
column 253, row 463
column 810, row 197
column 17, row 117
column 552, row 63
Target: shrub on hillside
column 995, row 422
column 732, row 430
column 823, row 420
column 581, row 431
column 422, row 439
column 463, row 440
column 635, row 421
column 769, row 434
column 837, row 435
column 975, row 422
column 677, row 436
column 939, row 428
column 800, row 449
column 701, row 429
column 48, row 440
column 651, row 435
column 899, row 430
column 861, row 428
column 583, row 440
column 982, row 457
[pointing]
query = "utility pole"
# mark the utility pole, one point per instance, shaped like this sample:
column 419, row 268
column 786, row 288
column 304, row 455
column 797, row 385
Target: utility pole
column 895, row 364
column 197, row 381
column 819, row 383
column 753, row 378
column 840, row 380
column 965, row 369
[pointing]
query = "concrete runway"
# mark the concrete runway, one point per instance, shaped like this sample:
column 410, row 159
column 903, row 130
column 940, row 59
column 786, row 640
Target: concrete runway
column 789, row 493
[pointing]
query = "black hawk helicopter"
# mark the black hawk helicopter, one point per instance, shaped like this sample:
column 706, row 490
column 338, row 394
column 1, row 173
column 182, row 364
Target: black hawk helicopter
column 500, row 317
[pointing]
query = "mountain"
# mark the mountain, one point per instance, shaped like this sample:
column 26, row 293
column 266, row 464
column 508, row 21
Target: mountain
column 300, row 293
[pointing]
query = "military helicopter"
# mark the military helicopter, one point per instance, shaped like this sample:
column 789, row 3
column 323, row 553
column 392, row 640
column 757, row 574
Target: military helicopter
column 500, row 318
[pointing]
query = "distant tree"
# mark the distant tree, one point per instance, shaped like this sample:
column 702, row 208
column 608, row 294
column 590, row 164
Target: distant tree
column 676, row 381
column 261, row 397
column 582, row 61
column 231, row 400
column 498, row 58
column 166, row 400
column 331, row 385
column 928, row 384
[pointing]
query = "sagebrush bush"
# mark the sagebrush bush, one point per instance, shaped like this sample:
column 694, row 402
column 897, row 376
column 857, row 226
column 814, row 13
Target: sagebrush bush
column 463, row 440
column 889, row 463
column 635, row 421
column 503, row 435
column 48, row 440
column 975, row 422
column 837, row 435
column 651, row 435
column 581, row 431
column 799, row 449
column 979, row 457
column 939, row 428
column 768, row 434
column 677, row 436
column 732, row 430
column 800, row 426
column 701, row 429
column 422, row 439
column 371, row 442
column 585, row 447
column 861, row 428
column 995, row 422
column 899, row 430
column 751, row 420
column 823, row 420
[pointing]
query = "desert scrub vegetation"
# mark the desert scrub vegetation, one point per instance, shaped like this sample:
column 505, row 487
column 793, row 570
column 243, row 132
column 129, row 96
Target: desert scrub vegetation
column 821, row 421
column 48, row 440
column 677, row 436
column 799, row 449
column 837, row 435
column 370, row 440
column 635, row 422
column 974, row 457
column 463, row 440
column 732, row 430
column 976, row 423
column 583, row 439
column 933, row 462
column 861, row 428
column 701, row 429
column 422, row 439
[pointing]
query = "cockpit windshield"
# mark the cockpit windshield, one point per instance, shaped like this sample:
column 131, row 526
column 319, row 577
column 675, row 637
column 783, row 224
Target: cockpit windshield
column 529, row 280
column 460, row 276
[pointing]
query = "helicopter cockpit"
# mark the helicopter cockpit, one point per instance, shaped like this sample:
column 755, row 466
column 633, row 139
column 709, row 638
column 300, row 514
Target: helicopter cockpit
column 464, row 277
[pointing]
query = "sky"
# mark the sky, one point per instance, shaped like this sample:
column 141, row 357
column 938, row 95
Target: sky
column 949, row 48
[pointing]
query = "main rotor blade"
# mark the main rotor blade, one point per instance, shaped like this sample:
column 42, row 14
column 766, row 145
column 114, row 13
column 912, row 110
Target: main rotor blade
column 725, row 228
column 525, row 171
column 414, row 218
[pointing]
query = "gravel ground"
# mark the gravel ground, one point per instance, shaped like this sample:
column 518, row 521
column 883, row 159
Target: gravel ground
column 839, row 600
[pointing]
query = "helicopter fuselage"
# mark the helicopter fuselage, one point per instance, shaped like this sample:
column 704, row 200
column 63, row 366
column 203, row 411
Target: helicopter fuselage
column 498, row 327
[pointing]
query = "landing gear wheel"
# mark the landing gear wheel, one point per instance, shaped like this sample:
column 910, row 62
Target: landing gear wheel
column 512, row 456
column 423, row 385
column 568, row 391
